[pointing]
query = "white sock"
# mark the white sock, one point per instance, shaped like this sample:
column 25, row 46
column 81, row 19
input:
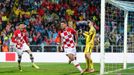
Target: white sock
column 77, row 65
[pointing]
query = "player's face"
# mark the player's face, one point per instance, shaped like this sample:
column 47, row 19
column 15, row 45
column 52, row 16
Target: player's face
column 63, row 25
column 90, row 24
column 22, row 26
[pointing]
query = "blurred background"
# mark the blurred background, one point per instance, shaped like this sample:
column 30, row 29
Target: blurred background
column 42, row 19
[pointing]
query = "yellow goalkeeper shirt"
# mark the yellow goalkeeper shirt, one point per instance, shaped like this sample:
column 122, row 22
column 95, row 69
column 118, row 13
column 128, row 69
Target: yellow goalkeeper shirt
column 90, row 36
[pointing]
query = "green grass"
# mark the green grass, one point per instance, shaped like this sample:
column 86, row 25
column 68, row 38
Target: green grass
column 45, row 69
column 51, row 69
column 118, row 69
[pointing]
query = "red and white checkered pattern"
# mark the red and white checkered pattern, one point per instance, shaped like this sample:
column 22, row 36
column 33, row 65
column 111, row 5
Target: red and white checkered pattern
column 19, row 38
column 67, row 38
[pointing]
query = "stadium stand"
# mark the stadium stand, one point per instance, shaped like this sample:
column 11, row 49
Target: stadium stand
column 42, row 18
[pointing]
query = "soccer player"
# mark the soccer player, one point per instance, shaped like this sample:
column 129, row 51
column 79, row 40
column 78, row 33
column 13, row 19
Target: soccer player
column 20, row 40
column 67, row 43
column 90, row 35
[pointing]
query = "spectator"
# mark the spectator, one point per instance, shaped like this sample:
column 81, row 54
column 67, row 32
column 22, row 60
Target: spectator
column 41, row 17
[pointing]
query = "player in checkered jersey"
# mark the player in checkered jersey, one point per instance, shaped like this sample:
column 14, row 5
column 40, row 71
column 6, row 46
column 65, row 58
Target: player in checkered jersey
column 20, row 40
column 68, row 44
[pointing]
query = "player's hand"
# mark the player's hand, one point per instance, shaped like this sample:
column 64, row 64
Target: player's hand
column 76, row 44
column 91, row 43
column 60, row 50
column 85, row 32
column 28, row 44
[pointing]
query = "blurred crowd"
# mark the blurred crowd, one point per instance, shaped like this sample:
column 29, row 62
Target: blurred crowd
column 42, row 19
column 114, row 26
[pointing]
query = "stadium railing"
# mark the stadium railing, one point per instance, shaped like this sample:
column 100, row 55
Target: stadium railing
column 79, row 48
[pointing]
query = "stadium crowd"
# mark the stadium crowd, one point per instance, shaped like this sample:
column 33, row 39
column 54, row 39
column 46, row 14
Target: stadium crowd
column 42, row 19
column 114, row 26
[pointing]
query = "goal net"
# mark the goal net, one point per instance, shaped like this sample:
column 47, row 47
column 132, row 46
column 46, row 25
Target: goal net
column 118, row 37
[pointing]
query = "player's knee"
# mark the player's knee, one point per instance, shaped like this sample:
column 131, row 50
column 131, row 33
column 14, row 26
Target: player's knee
column 72, row 58
column 29, row 51
column 87, row 55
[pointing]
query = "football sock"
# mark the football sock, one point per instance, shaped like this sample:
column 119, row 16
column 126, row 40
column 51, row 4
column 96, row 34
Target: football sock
column 31, row 57
column 77, row 65
column 87, row 63
column 91, row 64
column 19, row 59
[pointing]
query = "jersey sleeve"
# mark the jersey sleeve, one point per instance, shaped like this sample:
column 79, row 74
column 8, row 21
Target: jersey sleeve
column 73, row 31
column 92, row 34
column 86, row 34
column 13, row 38
column 25, row 36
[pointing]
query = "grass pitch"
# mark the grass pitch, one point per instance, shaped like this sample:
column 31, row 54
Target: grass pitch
column 45, row 69
column 52, row 69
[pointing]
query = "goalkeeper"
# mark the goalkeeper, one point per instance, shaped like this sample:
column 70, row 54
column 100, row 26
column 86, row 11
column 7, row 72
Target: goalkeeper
column 89, row 36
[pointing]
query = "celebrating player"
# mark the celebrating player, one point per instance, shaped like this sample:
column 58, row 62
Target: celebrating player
column 67, row 42
column 90, row 35
column 20, row 40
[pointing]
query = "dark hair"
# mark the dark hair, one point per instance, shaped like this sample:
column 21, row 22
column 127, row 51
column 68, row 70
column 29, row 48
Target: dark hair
column 19, row 23
column 63, row 21
column 88, row 21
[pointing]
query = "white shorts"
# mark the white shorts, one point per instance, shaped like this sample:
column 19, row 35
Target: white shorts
column 24, row 47
column 70, row 51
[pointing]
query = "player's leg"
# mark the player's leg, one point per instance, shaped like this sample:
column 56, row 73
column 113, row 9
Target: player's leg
column 19, row 62
column 32, row 59
column 86, row 58
column 90, row 66
column 19, row 52
column 27, row 49
column 31, row 55
column 71, row 54
column 71, row 61
column 75, row 63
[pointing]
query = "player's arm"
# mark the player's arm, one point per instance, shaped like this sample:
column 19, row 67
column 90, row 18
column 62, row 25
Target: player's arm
column 75, row 35
column 86, row 34
column 14, row 38
column 60, row 44
column 58, row 38
column 92, row 38
column 26, row 37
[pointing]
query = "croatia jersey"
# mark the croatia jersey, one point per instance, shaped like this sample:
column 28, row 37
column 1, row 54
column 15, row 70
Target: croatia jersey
column 67, row 37
column 19, row 38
